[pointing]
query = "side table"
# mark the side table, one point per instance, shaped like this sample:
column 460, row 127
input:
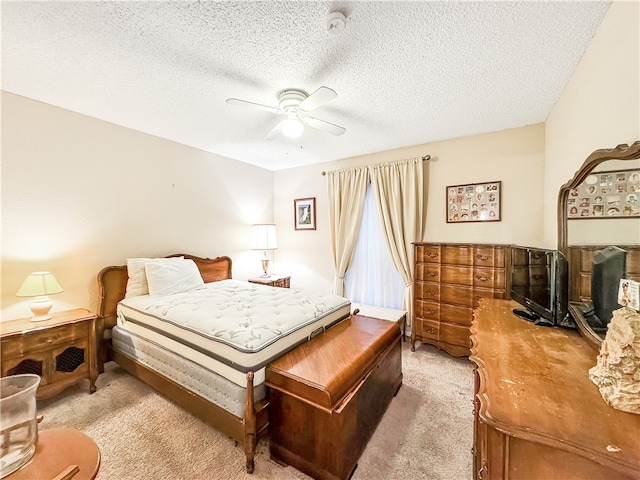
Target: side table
column 62, row 350
column 61, row 453
column 281, row 281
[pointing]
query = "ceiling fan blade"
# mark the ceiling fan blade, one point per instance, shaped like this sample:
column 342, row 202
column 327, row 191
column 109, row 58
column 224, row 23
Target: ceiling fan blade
column 244, row 103
column 275, row 131
column 317, row 98
column 324, row 126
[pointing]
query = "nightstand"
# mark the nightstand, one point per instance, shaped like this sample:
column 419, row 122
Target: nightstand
column 62, row 350
column 273, row 281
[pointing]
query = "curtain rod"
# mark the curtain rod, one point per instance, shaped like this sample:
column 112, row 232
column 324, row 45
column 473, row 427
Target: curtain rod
column 424, row 159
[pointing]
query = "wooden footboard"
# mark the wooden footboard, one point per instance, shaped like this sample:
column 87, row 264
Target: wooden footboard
column 245, row 430
column 112, row 282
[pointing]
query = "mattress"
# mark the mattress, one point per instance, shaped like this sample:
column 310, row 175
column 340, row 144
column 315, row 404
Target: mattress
column 194, row 377
column 232, row 327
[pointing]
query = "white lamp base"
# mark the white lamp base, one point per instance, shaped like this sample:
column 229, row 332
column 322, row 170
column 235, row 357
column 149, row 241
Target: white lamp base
column 40, row 308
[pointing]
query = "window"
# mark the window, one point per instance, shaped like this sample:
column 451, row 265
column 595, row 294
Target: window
column 372, row 278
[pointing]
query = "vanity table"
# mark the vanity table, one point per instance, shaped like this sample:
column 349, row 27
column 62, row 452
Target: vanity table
column 536, row 413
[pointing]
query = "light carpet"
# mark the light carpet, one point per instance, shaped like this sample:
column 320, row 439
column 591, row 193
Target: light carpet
column 426, row 433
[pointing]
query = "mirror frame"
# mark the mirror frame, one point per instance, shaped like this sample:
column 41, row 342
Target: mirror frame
column 621, row 152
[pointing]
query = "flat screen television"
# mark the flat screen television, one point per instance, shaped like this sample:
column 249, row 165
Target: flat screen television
column 608, row 268
column 539, row 282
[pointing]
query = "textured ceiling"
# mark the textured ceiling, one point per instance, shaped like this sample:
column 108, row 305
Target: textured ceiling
column 406, row 73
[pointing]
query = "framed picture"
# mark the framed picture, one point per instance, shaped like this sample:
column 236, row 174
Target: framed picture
column 304, row 212
column 609, row 194
column 474, row 202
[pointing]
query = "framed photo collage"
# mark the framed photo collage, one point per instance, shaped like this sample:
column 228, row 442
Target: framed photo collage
column 474, row 202
column 606, row 195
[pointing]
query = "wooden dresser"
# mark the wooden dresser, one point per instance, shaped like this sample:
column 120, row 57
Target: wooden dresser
column 449, row 280
column 537, row 414
column 580, row 258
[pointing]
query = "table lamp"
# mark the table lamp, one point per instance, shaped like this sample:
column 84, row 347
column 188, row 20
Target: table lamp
column 40, row 285
column 264, row 238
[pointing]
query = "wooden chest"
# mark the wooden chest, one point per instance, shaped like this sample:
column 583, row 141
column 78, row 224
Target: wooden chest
column 328, row 395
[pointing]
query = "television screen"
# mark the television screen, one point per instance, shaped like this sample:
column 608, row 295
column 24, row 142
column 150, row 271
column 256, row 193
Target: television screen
column 539, row 283
column 608, row 268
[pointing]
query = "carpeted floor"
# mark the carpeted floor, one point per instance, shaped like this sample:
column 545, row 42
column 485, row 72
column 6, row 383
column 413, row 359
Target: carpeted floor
column 427, row 432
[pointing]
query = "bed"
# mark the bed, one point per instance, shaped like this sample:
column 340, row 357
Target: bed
column 205, row 342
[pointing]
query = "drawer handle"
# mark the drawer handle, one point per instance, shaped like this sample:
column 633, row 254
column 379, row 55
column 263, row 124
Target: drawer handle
column 482, row 278
column 430, row 310
column 538, row 277
column 432, row 274
column 484, row 470
column 430, row 330
column 52, row 338
column 432, row 292
column 483, row 258
column 431, row 255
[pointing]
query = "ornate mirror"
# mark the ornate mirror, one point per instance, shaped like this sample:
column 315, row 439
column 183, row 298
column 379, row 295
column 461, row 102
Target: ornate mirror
column 599, row 207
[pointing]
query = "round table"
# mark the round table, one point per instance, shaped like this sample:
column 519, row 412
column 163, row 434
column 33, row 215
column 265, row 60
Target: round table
column 58, row 451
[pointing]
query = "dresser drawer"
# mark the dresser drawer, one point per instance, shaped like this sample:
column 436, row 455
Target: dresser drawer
column 458, row 255
column 457, row 295
column 428, row 253
column 633, row 263
column 457, row 275
column 479, row 293
column 38, row 340
column 488, row 278
column 427, row 328
column 489, row 257
column 429, row 310
column 456, row 314
column 455, row 334
column 427, row 272
column 586, row 259
column 427, row 291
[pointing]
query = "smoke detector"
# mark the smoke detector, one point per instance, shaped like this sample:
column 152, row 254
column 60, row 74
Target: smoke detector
column 336, row 23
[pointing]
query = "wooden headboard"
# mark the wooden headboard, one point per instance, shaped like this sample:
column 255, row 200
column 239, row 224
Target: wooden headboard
column 112, row 284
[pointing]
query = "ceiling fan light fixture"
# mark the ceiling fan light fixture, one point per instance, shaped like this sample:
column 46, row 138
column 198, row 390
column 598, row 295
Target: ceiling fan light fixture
column 292, row 127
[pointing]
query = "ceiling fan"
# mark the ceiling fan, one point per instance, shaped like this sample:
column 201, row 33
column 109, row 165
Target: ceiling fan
column 296, row 104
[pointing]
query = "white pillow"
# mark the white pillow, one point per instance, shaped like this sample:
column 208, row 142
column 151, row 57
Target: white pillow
column 137, row 281
column 175, row 277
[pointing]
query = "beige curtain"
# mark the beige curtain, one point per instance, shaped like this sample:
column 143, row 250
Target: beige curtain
column 399, row 191
column 347, row 190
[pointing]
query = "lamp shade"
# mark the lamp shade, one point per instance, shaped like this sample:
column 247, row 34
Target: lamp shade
column 292, row 127
column 264, row 237
column 38, row 284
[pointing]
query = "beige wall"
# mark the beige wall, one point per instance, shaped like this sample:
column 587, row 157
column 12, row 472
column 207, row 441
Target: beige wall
column 599, row 108
column 79, row 194
column 515, row 157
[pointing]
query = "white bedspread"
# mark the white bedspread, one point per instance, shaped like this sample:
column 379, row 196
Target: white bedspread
column 231, row 324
